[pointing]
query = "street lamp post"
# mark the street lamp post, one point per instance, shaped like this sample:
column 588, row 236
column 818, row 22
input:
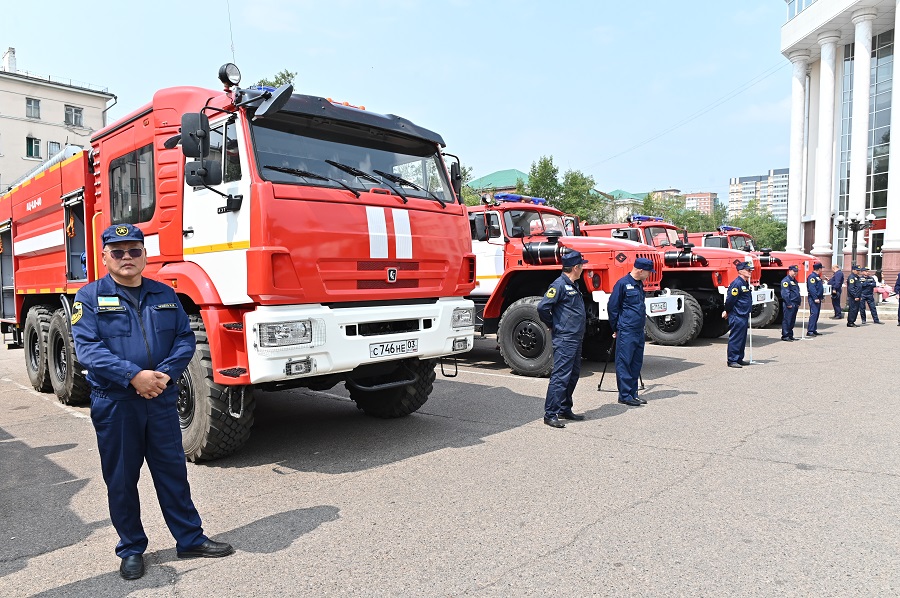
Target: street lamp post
column 855, row 224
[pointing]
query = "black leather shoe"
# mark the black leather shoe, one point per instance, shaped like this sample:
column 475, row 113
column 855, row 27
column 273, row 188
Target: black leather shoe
column 575, row 417
column 209, row 549
column 630, row 401
column 879, row 322
column 852, row 325
column 132, row 567
column 640, row 400
column 553, row 422
column 788, row 340
column 734, row 364
column 836, row 318
column 744, row 362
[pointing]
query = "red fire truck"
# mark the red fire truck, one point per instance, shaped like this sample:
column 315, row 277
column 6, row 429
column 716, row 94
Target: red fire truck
column 700, row 277
column 518, row 243
column 774, row 266
column 311, row 243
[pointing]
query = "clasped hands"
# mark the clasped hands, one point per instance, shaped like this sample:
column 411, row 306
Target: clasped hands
column 150, row 383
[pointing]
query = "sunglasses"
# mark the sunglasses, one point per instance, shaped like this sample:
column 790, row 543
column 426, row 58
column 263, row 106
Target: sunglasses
column 134, row 252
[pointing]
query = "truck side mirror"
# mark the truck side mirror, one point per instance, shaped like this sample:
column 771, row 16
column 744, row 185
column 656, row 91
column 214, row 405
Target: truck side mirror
column 679, row 244
column 274, row 102
column 195, row 135
column 481, row 233
column 198, row 174
column 456, row 179
column 517, row 232
column 494, row 231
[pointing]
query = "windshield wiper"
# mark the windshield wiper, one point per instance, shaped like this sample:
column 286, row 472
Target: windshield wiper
column 401, row 181
column 311, row 175
column 362, row 174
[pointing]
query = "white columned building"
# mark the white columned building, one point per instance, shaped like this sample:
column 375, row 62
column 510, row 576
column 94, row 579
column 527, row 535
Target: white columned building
column 841, row 96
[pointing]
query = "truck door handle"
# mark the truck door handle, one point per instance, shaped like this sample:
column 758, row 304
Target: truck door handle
column 188, row 231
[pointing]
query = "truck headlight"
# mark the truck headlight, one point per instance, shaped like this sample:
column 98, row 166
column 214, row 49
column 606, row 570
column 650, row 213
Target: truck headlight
column 463, row 317
column 282, row 334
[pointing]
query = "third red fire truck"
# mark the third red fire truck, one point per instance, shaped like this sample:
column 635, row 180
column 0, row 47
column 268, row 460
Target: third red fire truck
column 312, row 243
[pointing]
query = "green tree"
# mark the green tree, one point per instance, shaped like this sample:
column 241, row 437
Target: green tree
column 762, row 226
column 543, row 180
column 470, row 196
column 278, row 80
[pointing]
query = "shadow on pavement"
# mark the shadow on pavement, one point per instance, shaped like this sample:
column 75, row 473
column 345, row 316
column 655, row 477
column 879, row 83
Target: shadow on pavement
column 301, row 430
column 35, row 516
column 267, row 535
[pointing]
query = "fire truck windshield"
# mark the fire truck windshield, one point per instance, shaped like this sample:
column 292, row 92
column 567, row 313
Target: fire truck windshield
column 288, row 145
column 659, row 236
column 524, row 223
column 742, row 243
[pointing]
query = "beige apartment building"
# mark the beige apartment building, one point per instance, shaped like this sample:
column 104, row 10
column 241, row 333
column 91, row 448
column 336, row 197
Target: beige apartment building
column 39, row 115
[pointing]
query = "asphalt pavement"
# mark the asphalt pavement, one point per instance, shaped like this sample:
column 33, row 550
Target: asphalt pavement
column 778, row 479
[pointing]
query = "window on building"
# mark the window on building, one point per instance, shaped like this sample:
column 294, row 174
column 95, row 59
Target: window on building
column 53, row 148
column 32, row 147
column 74, row 116
column 132, row 189
column 32, row 108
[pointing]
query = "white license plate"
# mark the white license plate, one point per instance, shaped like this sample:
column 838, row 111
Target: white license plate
column 394, row 348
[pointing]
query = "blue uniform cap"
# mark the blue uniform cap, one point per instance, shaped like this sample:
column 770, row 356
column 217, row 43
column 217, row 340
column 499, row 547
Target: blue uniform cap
column 118, row 233
column 854, row 267
column 643, row 263
column 573, row 258
column 794, row 268
column 817, row 266
column 743, row 266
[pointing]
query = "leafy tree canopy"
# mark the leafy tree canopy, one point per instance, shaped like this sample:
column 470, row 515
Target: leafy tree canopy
column 278, row 80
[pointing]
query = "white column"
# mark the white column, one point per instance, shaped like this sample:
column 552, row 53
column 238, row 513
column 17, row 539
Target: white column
column 891, row 247
column 800, row 60
column 859, row 132
column 825, row 152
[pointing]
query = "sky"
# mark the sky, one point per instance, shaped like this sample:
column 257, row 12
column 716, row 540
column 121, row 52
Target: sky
column 639, row 94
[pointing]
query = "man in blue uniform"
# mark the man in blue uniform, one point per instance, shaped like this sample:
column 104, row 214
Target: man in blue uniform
column 627, row 313
column 790, row 297
column 836, row 282
column 815, row 293
column 738, row 303
column 868, row 295
column 135, row 340
column 562, row 309
column 854, row 294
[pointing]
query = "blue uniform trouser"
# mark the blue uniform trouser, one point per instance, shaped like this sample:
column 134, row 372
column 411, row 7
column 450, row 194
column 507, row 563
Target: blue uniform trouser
column 737, row 337
column 564, row 377
column 870, row 301
column 853, row 311
column 836, row 303
column 788, row 321
column 128, row 432
column 629, row 360
column 814, row 309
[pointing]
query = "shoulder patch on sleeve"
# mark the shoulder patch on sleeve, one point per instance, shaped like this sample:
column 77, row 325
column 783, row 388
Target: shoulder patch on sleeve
column 784, row 284
column 734, row 291
column 76, row 312
column 551, row 293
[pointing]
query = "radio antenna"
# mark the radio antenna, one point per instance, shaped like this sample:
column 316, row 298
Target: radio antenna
column 230, row 33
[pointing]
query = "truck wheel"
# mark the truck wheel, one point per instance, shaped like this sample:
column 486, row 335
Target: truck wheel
column 525, row 343
column 37, row 326
column 765, row 313
column 399, row 401
column 207, row 430
column 596, row 347
column 677, row 329
column 66, row 373
column 714, row 325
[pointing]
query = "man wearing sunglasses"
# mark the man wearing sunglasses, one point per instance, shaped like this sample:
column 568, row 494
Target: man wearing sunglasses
column 135, row 340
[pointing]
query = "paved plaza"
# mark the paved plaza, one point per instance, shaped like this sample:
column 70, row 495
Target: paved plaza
column 779, row 479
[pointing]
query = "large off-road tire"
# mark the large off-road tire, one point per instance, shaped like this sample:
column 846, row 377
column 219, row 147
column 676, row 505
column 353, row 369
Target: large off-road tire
column 524, row 340
column 400, row 401
column 208, row 431
column 596, row 347
column 37, row 327
column 66, row 373
column 677, row 329
column 765, row 313
column 714, row 325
